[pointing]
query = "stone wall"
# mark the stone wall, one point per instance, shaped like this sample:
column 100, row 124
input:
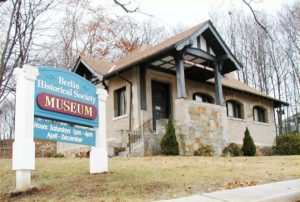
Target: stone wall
column 72, row 150
column 43, row 148
column 200, row 123
column 152, row 140
column 6, row 149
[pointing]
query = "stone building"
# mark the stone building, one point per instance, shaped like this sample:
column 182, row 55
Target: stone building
column 187, row 77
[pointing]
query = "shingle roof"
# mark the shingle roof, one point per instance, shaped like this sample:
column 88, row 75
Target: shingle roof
column 136, row 57
column 100, row 66
column 139, row 54
column 233, row 83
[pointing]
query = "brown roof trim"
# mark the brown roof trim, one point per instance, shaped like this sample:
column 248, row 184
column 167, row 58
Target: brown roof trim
column 96, row 66
column 277, row 103
column 232, row 84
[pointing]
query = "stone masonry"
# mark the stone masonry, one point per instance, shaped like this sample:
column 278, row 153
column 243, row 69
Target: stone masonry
column 200, row 123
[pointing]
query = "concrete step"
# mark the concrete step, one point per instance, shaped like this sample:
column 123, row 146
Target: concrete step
column 124, row 153
column 137, row 150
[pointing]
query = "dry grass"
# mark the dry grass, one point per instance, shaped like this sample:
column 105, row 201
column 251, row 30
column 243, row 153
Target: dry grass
column 148, row 178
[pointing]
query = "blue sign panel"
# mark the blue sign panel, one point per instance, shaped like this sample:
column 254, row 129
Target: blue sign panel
column 47, row 130
column 65, row 96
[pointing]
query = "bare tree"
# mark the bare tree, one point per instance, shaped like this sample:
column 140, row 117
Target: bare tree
column 97, row 33
column 270, row 60
column 7, row 119
column 20, row 23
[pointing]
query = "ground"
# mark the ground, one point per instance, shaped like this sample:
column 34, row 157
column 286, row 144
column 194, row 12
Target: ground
column 147, row 178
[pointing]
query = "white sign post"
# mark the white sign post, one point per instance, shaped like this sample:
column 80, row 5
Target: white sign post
column 98, row 154
column 23, row 161
column 24, row 147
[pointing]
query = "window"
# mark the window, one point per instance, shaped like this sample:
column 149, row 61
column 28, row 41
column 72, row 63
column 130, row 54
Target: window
column 259, row 114
column 202, row 97
column 234, row 109
column 120, row 101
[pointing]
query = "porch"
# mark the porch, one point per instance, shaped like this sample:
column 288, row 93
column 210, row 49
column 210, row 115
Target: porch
column 195, row 122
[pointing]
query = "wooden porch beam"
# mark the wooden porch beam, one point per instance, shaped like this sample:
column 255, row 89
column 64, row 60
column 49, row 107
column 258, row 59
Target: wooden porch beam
column 142, row 74
column 201, row 54
column 180, row 78
column 218, row 83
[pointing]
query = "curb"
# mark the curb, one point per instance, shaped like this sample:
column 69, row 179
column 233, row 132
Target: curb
column 286, row 191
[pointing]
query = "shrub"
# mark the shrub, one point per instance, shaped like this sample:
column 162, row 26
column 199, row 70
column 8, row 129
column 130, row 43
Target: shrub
column 169, row 144
column 118, row 150
column 264, row 151
column 248, row 148
column 287, row 144
column 59, row 155
column 232, row 150
column 204, row 150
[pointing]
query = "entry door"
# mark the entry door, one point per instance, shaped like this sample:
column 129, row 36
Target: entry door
column 160, row 101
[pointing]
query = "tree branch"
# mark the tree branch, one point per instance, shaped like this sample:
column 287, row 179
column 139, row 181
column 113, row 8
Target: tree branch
column 255, row 17
column 123, row 6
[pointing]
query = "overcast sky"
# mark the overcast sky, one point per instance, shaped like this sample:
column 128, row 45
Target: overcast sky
column 191, row 12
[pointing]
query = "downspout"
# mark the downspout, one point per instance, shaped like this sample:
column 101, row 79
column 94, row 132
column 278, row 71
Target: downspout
column 130, row 98
column 275, row 121
column 279, row 117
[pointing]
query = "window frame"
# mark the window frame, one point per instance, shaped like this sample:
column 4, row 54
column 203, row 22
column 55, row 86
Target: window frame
column 237, row 109
column 120, row 102
column 262, row 115
column 205, row 95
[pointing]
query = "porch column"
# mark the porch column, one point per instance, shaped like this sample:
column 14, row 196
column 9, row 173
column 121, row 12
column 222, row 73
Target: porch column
column 218, row 83
column 181, row 93
column 142, row 72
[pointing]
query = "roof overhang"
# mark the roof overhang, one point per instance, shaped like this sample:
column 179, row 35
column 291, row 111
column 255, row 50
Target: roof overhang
column 81, row 61
column 211, row 35
column 204, row 59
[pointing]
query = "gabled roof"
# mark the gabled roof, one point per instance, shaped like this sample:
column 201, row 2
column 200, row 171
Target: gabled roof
column 176, row 42
column 135, row 58
column 95, row 65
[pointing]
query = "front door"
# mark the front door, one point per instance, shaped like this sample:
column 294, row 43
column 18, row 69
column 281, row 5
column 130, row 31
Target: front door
column 160, row 101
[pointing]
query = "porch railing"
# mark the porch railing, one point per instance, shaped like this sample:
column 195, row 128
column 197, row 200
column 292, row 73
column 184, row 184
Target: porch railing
column 137, row 136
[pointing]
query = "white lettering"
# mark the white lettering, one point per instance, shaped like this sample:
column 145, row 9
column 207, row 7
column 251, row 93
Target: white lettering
column 52, row 135
column 84, row 97
column 70, row 92
column 60, row 129
column 88, row 134
column 73, row 139
column 61, row 90
column 40, row 126
column 70, row 83
column 76, row 132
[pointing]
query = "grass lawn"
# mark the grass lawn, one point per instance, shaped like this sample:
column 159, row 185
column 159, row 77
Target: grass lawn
column 147, row 178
